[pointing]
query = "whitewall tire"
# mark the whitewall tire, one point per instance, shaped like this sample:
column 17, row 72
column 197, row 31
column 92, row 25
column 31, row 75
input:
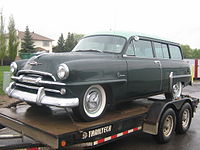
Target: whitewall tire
column 92, row 105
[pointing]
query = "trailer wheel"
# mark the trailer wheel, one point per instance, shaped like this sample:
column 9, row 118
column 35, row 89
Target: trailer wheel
column 184, row 119
column 92, row 105
column 166, row 126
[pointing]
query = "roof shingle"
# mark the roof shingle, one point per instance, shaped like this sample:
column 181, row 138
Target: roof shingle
column 35, row 36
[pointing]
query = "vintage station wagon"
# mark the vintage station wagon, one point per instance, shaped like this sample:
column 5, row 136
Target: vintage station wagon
column 104, row 68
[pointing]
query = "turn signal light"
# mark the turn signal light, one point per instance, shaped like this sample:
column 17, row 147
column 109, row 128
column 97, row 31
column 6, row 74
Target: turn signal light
column 63, row 143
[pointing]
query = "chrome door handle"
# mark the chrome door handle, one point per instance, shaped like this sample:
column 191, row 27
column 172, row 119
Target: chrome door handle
column 156, row 62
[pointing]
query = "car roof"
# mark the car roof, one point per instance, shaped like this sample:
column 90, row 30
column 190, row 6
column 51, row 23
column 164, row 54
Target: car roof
column 128, row 34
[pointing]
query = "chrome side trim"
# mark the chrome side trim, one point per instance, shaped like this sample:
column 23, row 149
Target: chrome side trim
column 182, row 76
column 171, row 81
column 41, row 98
column 37, row 81
column 128, row 56
column 37, row 72
column 36, row 88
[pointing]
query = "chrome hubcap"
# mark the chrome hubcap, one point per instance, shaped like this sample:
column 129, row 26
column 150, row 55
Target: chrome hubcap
column 168, row 125
column 185, row 118
column 93, row 100
column 177, row 89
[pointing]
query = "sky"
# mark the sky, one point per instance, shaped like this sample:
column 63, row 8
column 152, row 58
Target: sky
column 177, row 20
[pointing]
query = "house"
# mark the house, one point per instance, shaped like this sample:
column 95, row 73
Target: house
column 41, row 43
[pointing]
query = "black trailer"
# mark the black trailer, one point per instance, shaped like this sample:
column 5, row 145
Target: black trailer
column 56, row 128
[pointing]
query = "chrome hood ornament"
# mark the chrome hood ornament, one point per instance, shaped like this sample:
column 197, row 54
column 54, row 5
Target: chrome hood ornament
column 34, row 63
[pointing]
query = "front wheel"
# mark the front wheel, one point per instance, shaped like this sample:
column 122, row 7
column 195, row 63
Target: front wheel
column 92, row 105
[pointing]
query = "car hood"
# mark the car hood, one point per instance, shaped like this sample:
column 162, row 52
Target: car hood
column 50, row 62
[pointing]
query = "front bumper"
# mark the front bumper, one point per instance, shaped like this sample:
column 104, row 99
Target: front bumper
column 41, row 98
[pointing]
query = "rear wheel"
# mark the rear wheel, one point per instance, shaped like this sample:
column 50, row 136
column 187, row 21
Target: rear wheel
column 176, row 91
column 184, row 119
column 92, row 105
column 166, row 126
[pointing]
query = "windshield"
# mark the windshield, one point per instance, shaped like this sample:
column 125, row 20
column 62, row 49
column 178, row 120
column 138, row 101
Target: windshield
column 101, row 43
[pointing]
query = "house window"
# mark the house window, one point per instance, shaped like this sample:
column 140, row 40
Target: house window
column 45, row 43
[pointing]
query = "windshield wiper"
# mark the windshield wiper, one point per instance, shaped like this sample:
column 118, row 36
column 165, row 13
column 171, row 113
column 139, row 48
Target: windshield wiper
column 89, row 50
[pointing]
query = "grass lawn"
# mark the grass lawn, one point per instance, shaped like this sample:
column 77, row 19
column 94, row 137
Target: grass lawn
column 2, row 69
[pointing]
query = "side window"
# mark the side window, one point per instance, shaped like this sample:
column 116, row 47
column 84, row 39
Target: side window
column 175, row 52
column 143, row 49
column 158, row 50
column 130, row 49
column 161, row 50
column 165, row 51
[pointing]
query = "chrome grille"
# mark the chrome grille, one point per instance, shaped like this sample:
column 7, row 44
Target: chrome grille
column 35, row 73
column 38, row 78
column 36, row 88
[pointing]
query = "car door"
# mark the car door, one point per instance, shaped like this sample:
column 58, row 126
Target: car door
column 162, row 54
column 144, row 71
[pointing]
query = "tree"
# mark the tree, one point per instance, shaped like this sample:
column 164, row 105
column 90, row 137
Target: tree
column 12, row 37
column 70, row 42
column 27, row 44
column 77, row 37
column 190, row 53
column 196, row 54
column 2, row 38
column 187, row 51
column 60, row 44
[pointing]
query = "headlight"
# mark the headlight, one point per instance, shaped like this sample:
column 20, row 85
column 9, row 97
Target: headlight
column 13, row 67
column 63, row 71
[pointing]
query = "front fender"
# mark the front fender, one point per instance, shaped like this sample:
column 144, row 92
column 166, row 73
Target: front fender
column 96, row 71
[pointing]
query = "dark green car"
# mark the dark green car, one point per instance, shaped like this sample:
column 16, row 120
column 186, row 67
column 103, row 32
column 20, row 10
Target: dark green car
column 103, row 68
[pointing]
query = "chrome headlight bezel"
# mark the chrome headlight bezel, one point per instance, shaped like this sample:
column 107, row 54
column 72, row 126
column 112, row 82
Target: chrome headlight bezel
column 13, row 67
column 63, row 71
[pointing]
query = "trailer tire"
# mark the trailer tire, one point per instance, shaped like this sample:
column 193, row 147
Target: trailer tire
column 166, row 126
column 184, row 119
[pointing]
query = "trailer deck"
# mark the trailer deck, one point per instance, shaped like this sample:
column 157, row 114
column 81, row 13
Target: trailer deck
column 56, row 128
column 61, row 130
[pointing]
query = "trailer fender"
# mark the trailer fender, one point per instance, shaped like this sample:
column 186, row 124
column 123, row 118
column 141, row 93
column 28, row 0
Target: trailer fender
column 156, row 110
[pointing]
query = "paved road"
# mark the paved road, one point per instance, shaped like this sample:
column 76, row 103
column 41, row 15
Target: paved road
column 142, row 141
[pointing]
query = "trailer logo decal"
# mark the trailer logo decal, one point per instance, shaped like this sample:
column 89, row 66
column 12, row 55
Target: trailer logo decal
column 116, row 135
column 84, row 135
column 96, row 132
